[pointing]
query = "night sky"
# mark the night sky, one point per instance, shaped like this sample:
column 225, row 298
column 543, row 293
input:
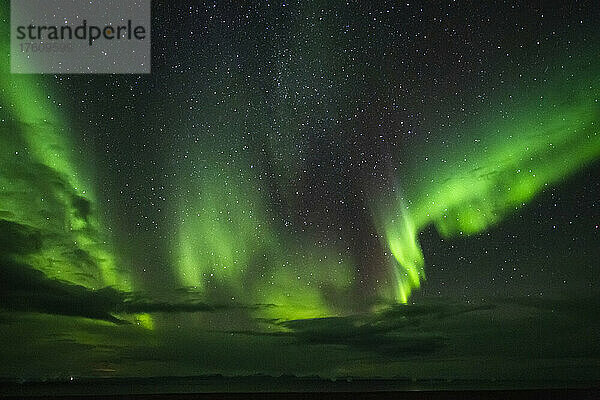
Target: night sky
column 368, row 189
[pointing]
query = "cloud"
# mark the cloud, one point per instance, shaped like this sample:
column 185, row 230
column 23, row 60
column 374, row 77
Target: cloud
column 18, row 238
column 82, row 206
column 393, row 332
column 25, row 289
column 445, row 329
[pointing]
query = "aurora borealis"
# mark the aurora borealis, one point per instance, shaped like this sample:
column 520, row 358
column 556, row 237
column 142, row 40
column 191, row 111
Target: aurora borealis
column 349, row 189
column 500, row 168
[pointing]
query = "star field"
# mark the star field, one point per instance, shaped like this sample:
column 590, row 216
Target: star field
column 297, row 176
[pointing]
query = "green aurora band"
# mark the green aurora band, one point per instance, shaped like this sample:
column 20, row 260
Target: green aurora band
column 501, row 164
column 44, row 195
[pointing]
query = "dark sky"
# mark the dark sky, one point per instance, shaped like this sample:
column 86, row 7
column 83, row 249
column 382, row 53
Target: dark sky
column 349, row 189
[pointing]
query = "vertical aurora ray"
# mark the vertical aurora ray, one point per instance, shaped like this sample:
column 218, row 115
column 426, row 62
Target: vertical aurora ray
column 401, row 233
column 503, row 163
column 229, row 249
